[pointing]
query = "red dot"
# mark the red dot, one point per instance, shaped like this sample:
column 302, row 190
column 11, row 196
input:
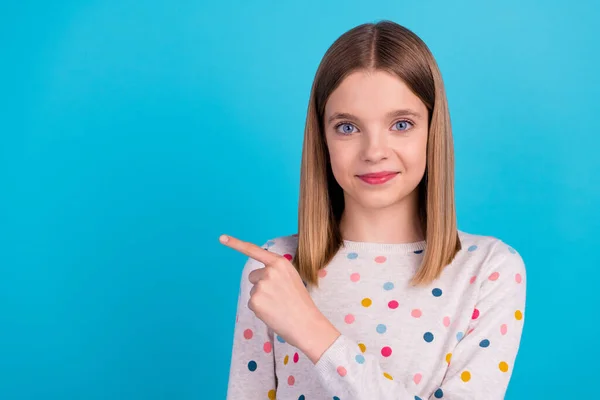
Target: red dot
column 296, row 357
column 386, row 351
column 342, row 371
column 291, row 380
column 380, row 259
column 393, row 304
column 494, row 276
column 473, row 279
column 248, row 334
column 288, row 256
column 267, row 347
column 475, row 314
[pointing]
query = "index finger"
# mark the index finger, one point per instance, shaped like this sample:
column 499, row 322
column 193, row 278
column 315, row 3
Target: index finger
column 249, row 249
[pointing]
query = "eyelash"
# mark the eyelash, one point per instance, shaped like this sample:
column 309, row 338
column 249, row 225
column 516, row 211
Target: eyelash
column 350, row 123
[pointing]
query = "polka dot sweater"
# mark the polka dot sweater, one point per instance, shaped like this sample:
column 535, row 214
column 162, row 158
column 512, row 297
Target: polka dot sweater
column 457, row 338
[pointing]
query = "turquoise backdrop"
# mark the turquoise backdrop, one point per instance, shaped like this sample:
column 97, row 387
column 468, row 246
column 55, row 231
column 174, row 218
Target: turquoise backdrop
column 134, row 133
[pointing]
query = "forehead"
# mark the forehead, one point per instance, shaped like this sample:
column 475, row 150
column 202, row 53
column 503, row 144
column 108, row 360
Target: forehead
column 372, row 95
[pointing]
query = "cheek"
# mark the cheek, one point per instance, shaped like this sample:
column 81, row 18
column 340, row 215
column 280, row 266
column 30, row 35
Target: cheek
column 414, row 156
column 341, row 163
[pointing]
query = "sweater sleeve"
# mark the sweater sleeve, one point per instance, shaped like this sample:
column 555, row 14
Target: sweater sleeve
column 252, row 368
column 480, row 366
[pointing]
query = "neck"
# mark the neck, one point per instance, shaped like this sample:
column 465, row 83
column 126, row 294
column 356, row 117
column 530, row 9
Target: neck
column 397, row 223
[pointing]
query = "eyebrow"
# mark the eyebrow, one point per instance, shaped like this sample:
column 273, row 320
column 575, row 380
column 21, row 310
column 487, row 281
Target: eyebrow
column 392, row 114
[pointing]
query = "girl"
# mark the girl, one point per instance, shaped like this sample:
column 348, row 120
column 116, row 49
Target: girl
column 379, row 296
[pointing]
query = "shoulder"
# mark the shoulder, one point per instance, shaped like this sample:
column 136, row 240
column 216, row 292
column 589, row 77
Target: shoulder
column 491, row 256
column 282, row 245
column 285, row 245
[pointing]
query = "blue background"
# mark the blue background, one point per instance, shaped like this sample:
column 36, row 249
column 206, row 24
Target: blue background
column 134, row 133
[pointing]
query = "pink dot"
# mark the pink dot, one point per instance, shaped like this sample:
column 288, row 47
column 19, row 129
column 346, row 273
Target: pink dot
column 475, row 314
column 288, row 257
column 349, row 318
column 386, row 351
column 322, row 273
column 342, row 371
column 470, row 330
column 473, row 279
column 503, row 329
column 296, row 357
column 380, row 259
column 267, row 347
column 416, row 313
column 446, row 321
column 417, row 378
column 518, row 278
column 291, row 380
column 355, row 277
column 393, row 304
column 248, row 334
column 494, row 276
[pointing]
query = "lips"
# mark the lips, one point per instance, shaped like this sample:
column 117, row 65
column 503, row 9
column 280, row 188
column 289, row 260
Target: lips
column 377, row 178
column 376, row 175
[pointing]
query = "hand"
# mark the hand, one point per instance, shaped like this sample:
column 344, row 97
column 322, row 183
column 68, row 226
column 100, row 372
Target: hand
column 280, row 299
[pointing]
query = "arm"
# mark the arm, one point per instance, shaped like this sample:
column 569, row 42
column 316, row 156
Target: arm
column 480, row 365
column 252, row 370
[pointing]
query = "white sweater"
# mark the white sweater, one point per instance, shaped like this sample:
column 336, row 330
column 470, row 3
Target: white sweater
column 457, row 338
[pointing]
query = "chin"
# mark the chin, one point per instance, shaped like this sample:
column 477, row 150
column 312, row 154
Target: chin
column 379, row 201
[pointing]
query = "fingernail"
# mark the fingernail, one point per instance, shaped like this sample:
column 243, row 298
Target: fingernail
column 223, row 238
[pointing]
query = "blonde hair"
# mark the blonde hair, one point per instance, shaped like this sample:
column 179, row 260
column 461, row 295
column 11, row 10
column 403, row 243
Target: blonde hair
column 390, row 47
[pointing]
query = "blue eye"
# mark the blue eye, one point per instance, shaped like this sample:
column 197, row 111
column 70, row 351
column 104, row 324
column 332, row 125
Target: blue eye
column 402, row 125
column 346, row 128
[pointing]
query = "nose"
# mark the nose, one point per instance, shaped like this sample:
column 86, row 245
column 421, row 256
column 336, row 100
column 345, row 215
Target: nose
column 375, row 148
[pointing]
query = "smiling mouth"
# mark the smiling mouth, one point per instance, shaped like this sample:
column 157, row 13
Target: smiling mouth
column 378, row 178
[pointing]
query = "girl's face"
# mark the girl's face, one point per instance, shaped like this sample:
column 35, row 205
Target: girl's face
column 374, row 123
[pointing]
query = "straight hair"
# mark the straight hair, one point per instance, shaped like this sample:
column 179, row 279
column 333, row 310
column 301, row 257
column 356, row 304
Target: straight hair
column 389, row 47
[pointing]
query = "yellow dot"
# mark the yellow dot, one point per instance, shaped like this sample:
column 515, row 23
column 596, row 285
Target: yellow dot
column 285, row 360
column 363, row 348
column 448, row 357
column 271, row 394
column 503, row 366
column 465, row 376
column 518, row 315
column 366, row 302
column 388, row 376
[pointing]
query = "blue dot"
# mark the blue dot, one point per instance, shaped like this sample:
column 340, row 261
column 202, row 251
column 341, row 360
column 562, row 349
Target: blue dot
column 388, row 286
column 360, row 359
column 301, row 397
column 437, row 292
column 428, row 336
column 418, row 251
column 252, row 366
column 484, row 343
column 418, row 398
column 439, row 393
column 352, row 256
column 472, row 248
column 381, row 328
column 513, row 251
column 336, row 398
column 459, row 335
column 280, row 339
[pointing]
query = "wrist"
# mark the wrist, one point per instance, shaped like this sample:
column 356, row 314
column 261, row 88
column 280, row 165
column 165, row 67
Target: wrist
column 318, row 336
